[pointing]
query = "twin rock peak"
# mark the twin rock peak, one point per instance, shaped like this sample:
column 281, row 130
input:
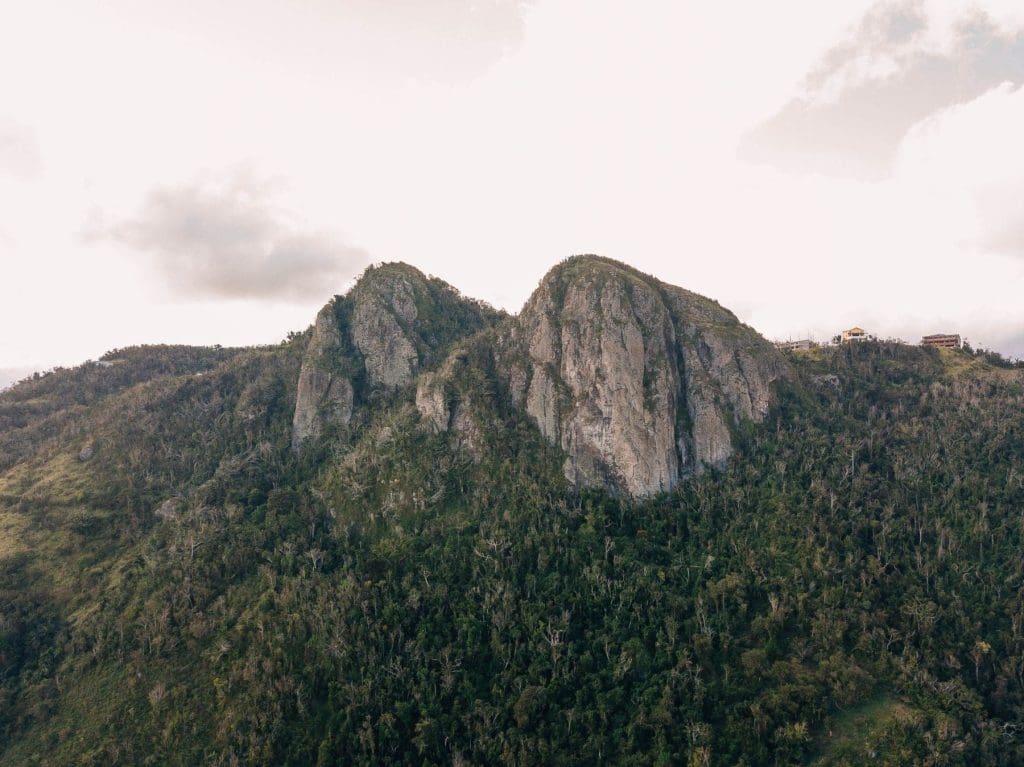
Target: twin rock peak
column 641, row 384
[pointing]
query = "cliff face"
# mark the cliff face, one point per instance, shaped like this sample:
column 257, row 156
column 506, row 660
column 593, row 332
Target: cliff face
column 325, row 394
column 603, row 381
column 394, row 323
column 638, row 382
column 384, row 318
column 729, row 371
column 445, row 406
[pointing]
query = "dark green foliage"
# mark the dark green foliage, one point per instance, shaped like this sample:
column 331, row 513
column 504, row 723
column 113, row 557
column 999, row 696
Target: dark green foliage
column 389, row 600
column 43, row 406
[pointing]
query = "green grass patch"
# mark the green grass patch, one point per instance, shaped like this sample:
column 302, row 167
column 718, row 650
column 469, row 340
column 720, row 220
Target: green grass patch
column 873, row 733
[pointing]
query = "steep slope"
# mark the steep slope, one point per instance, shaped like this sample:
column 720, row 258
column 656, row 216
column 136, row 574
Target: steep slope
column 640, row 383
column 172, row 432
column 325, row 393
column 393, row 323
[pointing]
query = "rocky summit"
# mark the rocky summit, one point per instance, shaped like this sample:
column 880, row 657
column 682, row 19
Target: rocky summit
column 640, row 383
column 374, row 340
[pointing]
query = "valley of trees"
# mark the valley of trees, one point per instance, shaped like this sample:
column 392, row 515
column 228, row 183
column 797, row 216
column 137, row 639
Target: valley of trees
column 848, row 591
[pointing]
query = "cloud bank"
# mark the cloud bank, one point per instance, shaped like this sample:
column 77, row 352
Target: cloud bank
column 226, row 239
column 905, row 61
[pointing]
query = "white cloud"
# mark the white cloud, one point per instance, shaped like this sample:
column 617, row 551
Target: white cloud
column 224, row 237
column 903, row 62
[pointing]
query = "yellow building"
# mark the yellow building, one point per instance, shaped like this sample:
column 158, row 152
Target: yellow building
column 854, row 334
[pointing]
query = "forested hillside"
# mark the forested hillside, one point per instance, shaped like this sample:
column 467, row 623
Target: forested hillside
column 846, row 589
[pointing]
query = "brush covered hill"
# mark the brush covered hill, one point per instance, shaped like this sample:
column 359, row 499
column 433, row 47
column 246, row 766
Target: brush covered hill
column 618, row 528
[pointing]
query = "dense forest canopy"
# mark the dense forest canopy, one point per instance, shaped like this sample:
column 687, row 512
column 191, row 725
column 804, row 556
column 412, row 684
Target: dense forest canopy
column 189, row 590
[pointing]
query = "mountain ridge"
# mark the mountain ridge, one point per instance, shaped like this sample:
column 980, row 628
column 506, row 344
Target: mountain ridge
column 636, row 409
column 428, row 584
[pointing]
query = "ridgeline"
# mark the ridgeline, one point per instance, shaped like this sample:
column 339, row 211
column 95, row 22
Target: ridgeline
column 617, row 528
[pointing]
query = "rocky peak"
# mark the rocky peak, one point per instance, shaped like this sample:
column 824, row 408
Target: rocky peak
column 603, row 380
column 640, row 383
column 383, row 323
column 374, row 340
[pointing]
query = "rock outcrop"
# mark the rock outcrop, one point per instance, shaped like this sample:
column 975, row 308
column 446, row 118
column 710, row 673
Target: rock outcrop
column 393, row 324
column 603, row 384
column 444, row 408
column 384, row 316
column 640, row 383
column 325, row 394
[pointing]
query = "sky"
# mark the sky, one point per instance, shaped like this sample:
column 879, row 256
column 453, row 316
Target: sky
column 180, row 172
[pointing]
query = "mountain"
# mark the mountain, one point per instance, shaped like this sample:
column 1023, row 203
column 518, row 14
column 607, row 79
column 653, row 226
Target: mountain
column 617, row 527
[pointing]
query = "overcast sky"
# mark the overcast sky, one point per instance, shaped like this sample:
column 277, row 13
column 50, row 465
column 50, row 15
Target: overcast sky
column 213, row 172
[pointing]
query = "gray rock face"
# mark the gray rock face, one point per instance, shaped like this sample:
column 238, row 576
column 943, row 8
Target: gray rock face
column 639, row 383
column 432, row 401
column 396, row 321
column 382, row 308
column 445, row 410
column 381, row 323
column 604, row 383
column 324, row 395
column 728, row 371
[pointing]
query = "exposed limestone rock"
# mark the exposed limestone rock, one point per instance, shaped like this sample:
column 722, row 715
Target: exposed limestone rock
column 432, row 401
column 324, row 395
column 605, row 383
column 382, row 319
column 728, row 369
column 468, row 431
column 395, row 323
column 542, row 402
column 638, row 382
column 443, row 408
column 518, row 380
